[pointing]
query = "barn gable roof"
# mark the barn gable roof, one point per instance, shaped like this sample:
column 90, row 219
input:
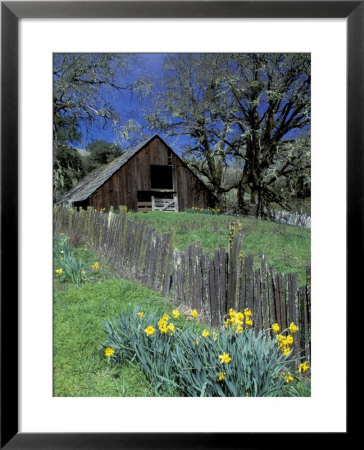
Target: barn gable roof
column 91, row 182
column 98, row 177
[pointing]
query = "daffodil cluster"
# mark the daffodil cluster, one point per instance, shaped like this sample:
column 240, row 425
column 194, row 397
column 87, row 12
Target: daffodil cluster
column 206, row 362
column 237, row 320
column 283, row 341
column 164, row 326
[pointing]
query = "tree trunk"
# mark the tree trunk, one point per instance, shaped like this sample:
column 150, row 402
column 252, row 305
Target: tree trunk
column 243, row 185
column 254, row 195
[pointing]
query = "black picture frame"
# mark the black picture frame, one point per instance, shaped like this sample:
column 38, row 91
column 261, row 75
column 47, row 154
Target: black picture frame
column 11, row 12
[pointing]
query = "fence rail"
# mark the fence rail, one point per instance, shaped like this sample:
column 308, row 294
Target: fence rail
column 210, row 283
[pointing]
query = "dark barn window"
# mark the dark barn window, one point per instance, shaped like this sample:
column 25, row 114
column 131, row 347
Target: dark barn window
column 161, row 177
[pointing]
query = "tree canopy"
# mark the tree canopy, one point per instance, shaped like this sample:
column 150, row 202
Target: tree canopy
column 86, row 91
column 251, row 107
column 101, row 152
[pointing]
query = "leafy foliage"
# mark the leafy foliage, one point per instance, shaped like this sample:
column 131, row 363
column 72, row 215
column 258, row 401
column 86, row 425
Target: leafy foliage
column 222, row 363
column 69, row 267
column 68, row 169
column 101, row 152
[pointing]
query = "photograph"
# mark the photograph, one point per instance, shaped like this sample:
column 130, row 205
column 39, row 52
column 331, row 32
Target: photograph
column 181, row 224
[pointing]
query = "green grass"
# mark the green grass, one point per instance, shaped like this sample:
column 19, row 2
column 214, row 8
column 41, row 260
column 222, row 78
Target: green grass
column 80, row 366
column 287, row 248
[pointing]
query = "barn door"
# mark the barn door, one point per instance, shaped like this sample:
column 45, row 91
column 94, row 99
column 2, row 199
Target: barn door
column 165, row 204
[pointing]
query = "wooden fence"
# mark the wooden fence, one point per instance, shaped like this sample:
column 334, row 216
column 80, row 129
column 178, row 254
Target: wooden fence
column 135, row 250
column 215, row 283
column 210, row 283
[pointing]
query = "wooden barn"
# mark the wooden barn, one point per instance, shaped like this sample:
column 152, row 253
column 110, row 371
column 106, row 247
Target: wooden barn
column 148, row 177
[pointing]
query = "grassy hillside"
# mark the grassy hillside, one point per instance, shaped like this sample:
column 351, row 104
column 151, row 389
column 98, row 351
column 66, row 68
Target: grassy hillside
column 81, row 367
column 287, row 248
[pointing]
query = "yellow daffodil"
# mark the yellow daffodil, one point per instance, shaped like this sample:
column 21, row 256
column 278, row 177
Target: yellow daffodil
column 95, row 266
column 231, row 312
column 149, row 330
column 83, row 272
column 303, row 367
column 59, row 271
column 214, row 336
column 275, row 328
column 61, row 234
column 221, row 376
column 109, row 351
column 239, row 329
column 246, row 394
column 225, row 358
column 293, row 328
column 162, row 323
column 163, row 328
column 247, row 312
column 140, row 314
column 239, row 318
column 286, row 351
column 176, row 313
column 170, row 328
column 248, row 322
column 194, row 313
column 288, row 377
column 61, row 252
column 289, row 339
column 205, row 333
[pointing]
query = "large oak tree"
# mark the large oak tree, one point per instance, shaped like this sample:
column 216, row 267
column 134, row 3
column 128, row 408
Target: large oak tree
column 252, row 107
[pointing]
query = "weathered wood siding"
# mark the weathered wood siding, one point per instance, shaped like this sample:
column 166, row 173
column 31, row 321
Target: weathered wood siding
column 135, row 175
column 191, row 191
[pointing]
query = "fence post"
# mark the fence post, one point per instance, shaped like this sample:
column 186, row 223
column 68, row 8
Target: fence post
column 234, row 267
column 264, row 292
column 257, row 302
column 293, row 309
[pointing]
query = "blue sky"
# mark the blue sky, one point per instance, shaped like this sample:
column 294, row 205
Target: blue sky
column 128, row 106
